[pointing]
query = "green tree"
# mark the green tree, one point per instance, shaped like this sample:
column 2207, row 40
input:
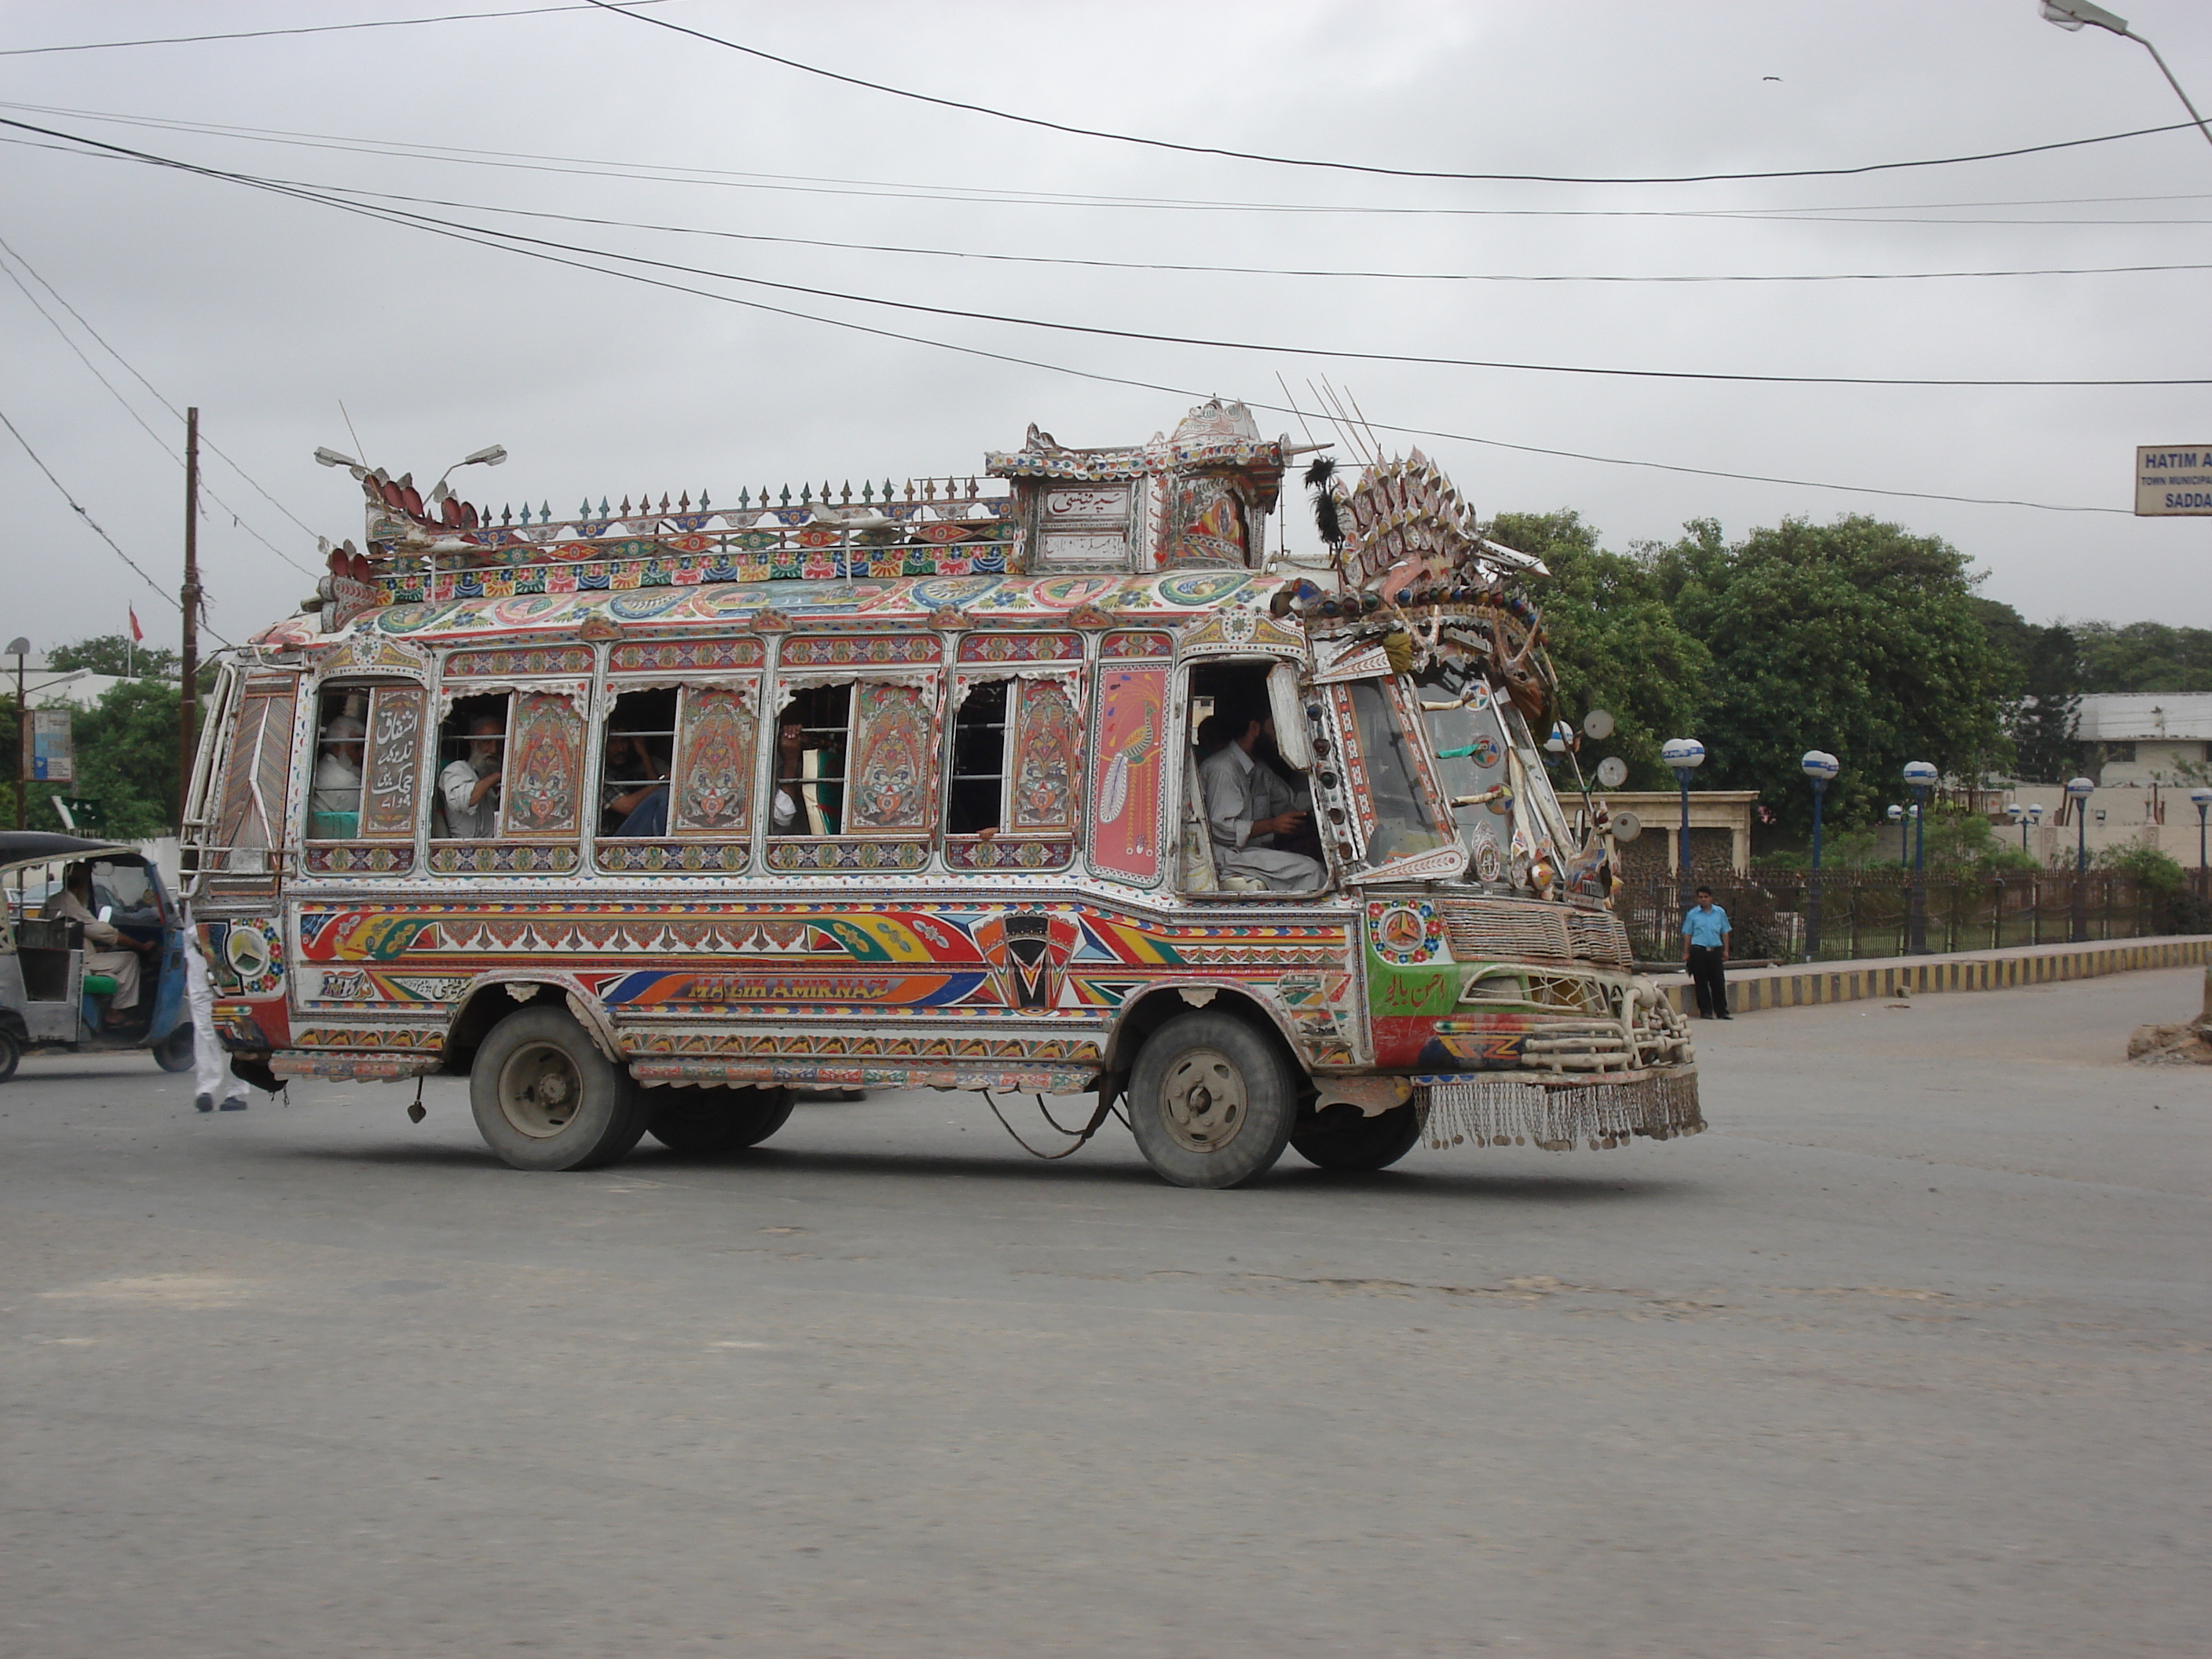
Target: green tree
column 1858, row 637
column 126, row 758
column 1613, row 641
column 2144, row 656
column 115, row 653
column 125, row 747
column 2041, row 712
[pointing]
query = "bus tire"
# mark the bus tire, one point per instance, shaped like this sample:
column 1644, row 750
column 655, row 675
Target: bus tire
column 1212, row 1101
column 1344, row 1138
column 10, row 1052
column 544, row 1098
column 703, row 1121
column 174, row 1052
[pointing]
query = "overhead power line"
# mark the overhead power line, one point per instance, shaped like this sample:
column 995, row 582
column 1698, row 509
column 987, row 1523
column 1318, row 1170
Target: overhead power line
column 309, row 29
column 887, row 189
column 1102, row 378
column 236, row 518
column 92, row 523
column 510, row 238
column 1228, row 270
column 1363, row 168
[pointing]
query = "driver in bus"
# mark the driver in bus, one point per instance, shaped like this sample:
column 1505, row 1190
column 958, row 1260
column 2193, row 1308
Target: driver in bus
column 470, row 784
column 1247, row 807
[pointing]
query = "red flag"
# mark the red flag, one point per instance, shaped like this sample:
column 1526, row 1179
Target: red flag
column 137, row 633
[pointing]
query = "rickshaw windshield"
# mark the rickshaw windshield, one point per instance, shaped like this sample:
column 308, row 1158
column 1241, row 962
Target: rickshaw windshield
column 1404, row 817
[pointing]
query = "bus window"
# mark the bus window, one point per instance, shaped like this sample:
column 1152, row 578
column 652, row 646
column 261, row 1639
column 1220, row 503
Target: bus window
column 394, row 763
column 640, row 732
column 368, row 742
column 890, row 786
column 341, row 747
column 471, row 752
column 809, row 760
column 714, row 779
column 1048, row 748
column 975, row 799
column 1252, row 809
column 542, row 783
column 250, row 808
column 1405, row 821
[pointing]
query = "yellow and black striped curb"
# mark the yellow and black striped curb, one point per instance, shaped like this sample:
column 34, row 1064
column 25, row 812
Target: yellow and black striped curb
column 1755, row 989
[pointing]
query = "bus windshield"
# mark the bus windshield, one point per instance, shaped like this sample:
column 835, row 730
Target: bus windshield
column 1405, row 820
column 1501, row 796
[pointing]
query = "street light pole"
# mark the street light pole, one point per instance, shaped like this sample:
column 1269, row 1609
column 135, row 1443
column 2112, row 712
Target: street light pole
column 2071, row 14
column 20, row 649
column 1822, row 767
column 2200, row 799
column 1685, row 756
column 2078, row 790
column 1921, row 777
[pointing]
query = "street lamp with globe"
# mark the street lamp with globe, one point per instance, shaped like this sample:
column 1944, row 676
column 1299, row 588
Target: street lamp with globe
column 1684, row 756
column 1920, row 777
column 2200, row 799
column 2078, row 790
column 1822, row 769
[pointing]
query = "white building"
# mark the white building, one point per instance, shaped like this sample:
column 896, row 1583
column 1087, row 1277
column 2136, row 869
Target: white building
column 2162, row 737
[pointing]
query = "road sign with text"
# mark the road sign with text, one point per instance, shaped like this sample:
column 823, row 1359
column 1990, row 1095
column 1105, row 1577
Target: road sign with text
column 2174, row 481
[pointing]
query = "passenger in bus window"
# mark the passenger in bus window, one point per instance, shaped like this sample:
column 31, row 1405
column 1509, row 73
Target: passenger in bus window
column 1249, row 808
column 637, row 779
column 787, row 817
column 470, row 784
column 337, row 771
column 646, row 805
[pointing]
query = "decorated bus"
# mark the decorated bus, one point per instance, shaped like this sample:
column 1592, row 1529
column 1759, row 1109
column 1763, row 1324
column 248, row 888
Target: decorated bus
column 1064, row 781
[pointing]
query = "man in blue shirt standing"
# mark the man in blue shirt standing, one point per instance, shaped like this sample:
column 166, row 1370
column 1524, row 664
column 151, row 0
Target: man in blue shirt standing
column 1705, row 948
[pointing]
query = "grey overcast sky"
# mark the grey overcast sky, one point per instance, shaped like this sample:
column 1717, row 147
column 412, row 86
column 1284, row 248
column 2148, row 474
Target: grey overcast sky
column 269, row 312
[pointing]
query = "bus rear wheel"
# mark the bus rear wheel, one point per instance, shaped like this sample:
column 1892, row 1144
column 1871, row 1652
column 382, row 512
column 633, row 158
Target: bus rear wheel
column 703, row 1121
column 544, row 1098
column 1212, row 1101
column 1344, row 1138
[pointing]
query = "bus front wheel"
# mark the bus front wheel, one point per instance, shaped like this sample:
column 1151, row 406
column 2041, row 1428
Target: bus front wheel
column 704, row 1121
column 1212, row 1101
column 546, row 1098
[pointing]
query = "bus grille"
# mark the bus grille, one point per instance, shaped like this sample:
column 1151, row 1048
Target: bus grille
column 1507, row 930
column 1522, row 930
column 1600, row 937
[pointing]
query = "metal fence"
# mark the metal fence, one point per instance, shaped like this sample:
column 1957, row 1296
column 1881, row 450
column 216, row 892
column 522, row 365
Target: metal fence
column 1869, row 913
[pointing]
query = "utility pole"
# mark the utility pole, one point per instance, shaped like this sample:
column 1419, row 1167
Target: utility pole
column 188, row 700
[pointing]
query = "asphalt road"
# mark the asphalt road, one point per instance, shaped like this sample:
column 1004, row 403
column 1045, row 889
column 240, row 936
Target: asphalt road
column 1905, row 1357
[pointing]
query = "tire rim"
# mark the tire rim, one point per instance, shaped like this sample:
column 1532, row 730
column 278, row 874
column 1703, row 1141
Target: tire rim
column 1202, row 1101
column 539, row 1091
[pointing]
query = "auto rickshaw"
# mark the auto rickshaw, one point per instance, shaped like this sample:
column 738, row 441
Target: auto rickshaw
column 50, row 998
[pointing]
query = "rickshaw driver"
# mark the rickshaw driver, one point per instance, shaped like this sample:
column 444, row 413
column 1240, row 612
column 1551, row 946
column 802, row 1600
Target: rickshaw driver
column 119, row 960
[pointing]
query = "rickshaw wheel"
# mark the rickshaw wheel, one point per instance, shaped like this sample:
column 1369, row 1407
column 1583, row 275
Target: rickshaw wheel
column 10, row 1052
column 1212, row 1101
column 174, row 1052
column 702, row 1122
column 1344, row 1138
column 544, row 1098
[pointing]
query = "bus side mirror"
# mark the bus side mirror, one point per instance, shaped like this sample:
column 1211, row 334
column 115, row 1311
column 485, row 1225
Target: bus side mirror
column 1293, row 738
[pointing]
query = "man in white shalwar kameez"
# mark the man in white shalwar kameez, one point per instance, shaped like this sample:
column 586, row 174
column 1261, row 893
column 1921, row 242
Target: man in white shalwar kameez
column 1247, row 807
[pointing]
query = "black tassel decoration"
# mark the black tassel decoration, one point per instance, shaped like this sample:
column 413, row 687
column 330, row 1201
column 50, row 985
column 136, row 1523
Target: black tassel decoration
column 1320, row 479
